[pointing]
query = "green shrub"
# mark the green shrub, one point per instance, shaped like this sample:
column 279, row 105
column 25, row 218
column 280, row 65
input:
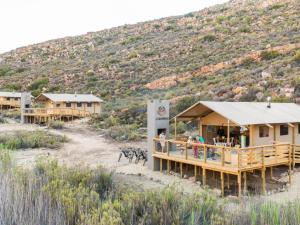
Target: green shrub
column 56, row 124
column 31, row 139
column 181, row 127
column 124, row 133
column 247, row 62
column 209, row 38
column 296, row 57
column 268, row 55
column 5, row 70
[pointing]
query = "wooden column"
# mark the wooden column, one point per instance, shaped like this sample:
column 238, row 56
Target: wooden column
column 175, row 128
column 204, row 176
column 271, row 172
column 228, row 132
column 160, row 165
column 222, row 184
column 168, row 166
column 200, row 127
column 245, row 183
column 290, row 164
column 263, row 176
column 239, row 181
column 181, row 171
column 195, row 172
column 228, row 181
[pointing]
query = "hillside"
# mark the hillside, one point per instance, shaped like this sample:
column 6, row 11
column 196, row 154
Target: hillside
column 241, row 50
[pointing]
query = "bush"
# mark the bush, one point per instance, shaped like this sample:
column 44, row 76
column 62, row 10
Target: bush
column 31, row 139
column 296, row 57
column 247, row 62
column 181, row 127
column 38, row 84
column 124, row 133
column 209, row 38
column 268, row 55
column 56, row 124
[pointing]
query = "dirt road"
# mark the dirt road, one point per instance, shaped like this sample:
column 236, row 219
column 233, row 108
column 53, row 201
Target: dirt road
column 88, row 148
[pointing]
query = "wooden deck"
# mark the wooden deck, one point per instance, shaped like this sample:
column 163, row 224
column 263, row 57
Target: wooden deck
column 44, row 115
column 226, row 160
column 6, row 104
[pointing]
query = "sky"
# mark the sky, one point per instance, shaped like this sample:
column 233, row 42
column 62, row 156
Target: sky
column 25, row 22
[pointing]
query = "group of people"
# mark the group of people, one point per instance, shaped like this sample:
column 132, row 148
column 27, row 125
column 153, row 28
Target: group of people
column 196, row 139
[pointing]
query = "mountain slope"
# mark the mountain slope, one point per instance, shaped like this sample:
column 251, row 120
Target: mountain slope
column 123, row 65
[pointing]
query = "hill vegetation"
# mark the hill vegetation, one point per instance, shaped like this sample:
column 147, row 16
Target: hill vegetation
column 242, row 50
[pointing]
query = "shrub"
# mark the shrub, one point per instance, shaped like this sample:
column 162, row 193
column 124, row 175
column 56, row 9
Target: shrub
column 247, row 62
column 268, row 55
column 132, row 55
column 56, row 124
column 296, row 57
column 124, row 133
column 181, row 127
column 31, row 139
column 209, row 38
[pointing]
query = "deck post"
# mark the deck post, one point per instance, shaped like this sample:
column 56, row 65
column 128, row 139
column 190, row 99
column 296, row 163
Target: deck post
column 245, row 183
column 223, row 156
column 205, row 153
column 168, row 166
column 271, row 172
column 195, row 170
column 186, row 149
column 228, row 181
column 228, row 132
column 204, row 176
column 263, row 176
column 175, row 167
column 168, row 150
column 222, row 184
column 290, row 164
column 175, row 128
column 160, row 164
column 181, row 171
column 239, row 181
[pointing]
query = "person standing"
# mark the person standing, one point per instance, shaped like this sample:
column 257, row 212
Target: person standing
column 162, row 140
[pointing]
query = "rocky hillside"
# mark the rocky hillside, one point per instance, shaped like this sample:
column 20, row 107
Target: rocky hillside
column 241, row 50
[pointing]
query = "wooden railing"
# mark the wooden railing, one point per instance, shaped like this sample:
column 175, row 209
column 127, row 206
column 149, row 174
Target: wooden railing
column 56, row 112
column 12, row 103
column 231, row 157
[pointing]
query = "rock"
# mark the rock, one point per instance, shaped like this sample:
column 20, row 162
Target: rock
column 185, row 176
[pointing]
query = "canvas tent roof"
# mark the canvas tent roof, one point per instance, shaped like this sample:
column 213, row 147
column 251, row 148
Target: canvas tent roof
column 10, row 94
column 71, row 97
column 245, row 113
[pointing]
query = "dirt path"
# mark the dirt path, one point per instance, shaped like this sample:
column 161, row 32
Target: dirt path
column 89, row 148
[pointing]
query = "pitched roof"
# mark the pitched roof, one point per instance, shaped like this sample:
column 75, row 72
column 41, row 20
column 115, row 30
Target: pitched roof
column 72, row 97
column 10, row 94
column 246, row 113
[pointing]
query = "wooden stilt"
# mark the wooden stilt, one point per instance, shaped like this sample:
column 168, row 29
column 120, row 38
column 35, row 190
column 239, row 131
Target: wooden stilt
column 195, row 170
column 181, row 171
column 263, row 176
column 204, row 177
column 160, row 165
column 271, row 172
column 175, row 167
column 168, row 166
column 245, row 183
column 222, row 184
column 239, row 181
column 228, row 181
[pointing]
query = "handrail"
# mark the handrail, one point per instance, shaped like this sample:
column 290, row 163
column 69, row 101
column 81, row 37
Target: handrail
column 56, row 111
column 233, row 157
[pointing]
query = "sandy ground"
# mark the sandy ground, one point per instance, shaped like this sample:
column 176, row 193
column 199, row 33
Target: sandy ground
column 89, row 148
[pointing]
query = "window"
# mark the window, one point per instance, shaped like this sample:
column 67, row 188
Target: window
column 16, row 99
column 298, row 128
column 89, row 104
column 68, row 104
column 79, row 104
column 284, row 129
column 57, row 105
column 7, row 98
column 263, row 131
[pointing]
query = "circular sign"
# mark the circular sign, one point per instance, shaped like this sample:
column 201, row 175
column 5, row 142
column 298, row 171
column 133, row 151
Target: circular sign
column 161, row 111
